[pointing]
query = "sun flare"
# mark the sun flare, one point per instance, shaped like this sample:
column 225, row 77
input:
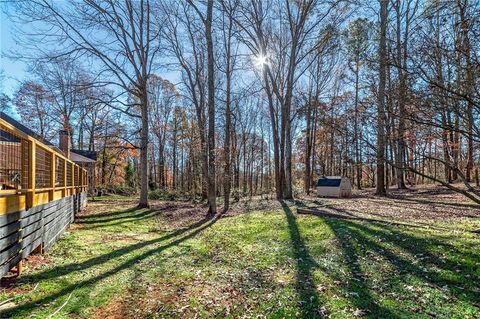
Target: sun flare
column 260, row 60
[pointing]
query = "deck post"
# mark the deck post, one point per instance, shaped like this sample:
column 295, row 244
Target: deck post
column 19, row 268
column 72, row 189
column 64, row 193
column 31, row 175
column 53, row 165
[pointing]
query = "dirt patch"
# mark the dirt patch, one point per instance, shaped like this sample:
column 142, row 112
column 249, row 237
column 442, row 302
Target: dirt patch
column 9, row 282
column 172, row 299
column 115, row 309
column 9, row 285
column 178, row 214
column 124, row 238
column 255, row 203
column 173, row 215
column 36, row 261
column 106, row 207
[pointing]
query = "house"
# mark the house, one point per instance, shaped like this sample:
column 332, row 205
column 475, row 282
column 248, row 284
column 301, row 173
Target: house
column 83, row 158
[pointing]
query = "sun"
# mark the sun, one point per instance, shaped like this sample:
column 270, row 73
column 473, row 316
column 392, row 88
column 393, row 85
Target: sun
column 260, row 60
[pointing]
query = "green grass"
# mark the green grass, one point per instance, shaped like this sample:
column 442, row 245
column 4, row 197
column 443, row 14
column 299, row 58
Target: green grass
column 275, row 264
column 108, row 197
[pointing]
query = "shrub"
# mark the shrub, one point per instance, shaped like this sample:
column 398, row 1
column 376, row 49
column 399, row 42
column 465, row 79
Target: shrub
column 122, row 190
column 161, row 194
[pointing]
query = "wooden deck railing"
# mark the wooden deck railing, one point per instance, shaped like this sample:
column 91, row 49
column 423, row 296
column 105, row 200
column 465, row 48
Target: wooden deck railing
column 33, row 173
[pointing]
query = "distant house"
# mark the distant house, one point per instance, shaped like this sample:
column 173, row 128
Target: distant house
column 85, row 159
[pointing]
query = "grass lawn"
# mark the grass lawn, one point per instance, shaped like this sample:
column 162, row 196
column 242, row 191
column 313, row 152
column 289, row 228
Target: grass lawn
column 171, row 261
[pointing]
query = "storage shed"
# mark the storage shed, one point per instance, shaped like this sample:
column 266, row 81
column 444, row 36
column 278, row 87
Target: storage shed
column 334, row 186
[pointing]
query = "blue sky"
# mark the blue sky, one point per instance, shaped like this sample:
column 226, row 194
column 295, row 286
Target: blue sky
column 14, row 71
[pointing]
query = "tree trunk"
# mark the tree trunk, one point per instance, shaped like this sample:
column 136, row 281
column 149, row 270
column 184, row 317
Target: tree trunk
column 276, row 142
column 468, row 85
column 143, row 203
column 212, row 201
column 380, row 187
column 308, row 147
column 401, row 105
column 174, row 152
column 358, row 164
column 228, row 121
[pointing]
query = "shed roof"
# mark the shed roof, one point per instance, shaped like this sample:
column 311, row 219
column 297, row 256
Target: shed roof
column 329, row 182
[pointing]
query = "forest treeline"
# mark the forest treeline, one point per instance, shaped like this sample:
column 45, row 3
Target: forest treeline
column 237, row 98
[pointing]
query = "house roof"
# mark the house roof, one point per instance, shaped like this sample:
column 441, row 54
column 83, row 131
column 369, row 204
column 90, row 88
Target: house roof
column 5, row 137
column 78, row 158
column 89, row 154
column 24, row 129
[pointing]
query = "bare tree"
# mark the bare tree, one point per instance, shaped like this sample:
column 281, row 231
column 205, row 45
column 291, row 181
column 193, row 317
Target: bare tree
column 228, row 12
column 185, row 22
column 163, row 98
column 125, row 61
column 34, row 105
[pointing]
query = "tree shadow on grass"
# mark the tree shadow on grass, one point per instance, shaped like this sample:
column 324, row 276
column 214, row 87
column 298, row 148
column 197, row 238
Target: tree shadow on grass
column 335, row 212
column 118, row 216
column 305, row 285
column 104, row 215
column 415, row 245
column 119, row 221
column 357, row 286
column 305, row 282
column 436, row 202
column 66, row 269
column 463, row 279
column 355, row 242
column 58, row 271
column 115, row 218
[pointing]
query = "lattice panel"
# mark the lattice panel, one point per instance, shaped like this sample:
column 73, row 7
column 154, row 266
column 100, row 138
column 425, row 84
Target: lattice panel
column 59, row 172
column 43, row 168
column 12, row 173
column 69, row 174
column 26, row 146
column 77, row 178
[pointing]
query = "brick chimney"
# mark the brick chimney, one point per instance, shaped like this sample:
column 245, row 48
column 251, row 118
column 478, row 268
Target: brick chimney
column 64, row 142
